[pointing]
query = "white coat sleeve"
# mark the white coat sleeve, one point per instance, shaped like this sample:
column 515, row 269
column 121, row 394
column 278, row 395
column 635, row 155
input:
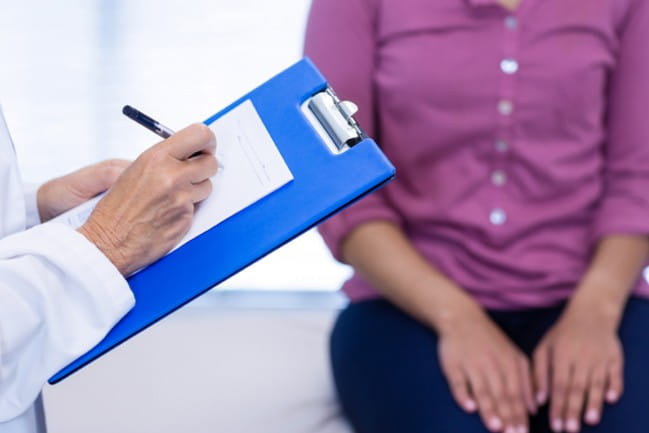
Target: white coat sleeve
column 32, row 217
column 59, row 296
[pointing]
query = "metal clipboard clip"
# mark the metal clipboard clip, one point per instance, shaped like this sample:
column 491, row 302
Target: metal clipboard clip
column 334, row 120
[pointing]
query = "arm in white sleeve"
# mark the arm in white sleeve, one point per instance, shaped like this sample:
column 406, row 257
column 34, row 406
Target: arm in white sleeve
column 59, row 296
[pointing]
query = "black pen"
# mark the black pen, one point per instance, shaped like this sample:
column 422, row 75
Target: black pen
column 153, row 125
column 147, row 122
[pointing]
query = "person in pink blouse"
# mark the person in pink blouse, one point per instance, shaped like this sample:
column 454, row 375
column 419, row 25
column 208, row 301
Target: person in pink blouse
column 498, row 280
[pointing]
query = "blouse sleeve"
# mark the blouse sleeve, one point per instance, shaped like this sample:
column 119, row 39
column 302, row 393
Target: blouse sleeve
column 625, row 206
column 341, row 40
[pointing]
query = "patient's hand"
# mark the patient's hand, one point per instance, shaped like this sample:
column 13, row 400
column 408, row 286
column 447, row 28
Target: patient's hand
column 488, row 373
column 578, row 365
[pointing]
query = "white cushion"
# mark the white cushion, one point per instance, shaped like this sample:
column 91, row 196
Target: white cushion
column 208, row 370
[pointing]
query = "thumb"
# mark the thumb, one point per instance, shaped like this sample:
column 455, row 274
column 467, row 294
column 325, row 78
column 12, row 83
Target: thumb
column 95, row 179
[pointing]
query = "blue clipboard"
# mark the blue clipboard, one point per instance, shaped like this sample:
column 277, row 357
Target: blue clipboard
column 325, row 181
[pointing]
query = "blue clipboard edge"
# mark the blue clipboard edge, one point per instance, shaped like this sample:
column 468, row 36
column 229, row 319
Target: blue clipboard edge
column 64, row 374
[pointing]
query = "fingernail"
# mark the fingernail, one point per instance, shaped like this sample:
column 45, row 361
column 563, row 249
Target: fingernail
column 521, row 429
column 470, row 405
column 592, row 416
column 534, row 408
column 540, row 397
column 510, row 429
column 611, row 396
column 495, row 424
column 572, row 425
column 557, row 426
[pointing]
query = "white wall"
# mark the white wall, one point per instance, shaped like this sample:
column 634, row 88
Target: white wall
column 69, row 66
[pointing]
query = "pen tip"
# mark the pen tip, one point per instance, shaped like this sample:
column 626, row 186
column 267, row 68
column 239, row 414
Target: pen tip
column 128, row 110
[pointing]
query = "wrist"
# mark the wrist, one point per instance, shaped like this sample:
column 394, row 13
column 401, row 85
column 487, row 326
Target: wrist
column 104, row 242
column 598, row 305
column 603, row 292
column 456, row 314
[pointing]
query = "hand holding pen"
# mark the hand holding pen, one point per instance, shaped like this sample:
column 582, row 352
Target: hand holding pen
column 151, row 205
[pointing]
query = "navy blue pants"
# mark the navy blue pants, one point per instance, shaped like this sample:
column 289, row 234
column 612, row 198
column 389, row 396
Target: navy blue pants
column 389, row 380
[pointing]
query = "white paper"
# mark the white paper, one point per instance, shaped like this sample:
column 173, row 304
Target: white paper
column 250, row 168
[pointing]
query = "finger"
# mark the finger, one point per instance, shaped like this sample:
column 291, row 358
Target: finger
column 561, row 376
column 200, row 168
column 459, row 386
column 576, row 397
column 486, row 406
column 542, row 373
column 111, row 170
column 193, row 139
column 514, row 396
column 595, row 402
column 496, row 380
column 525, row 374
column 201, row 190
column 119, row 164
column 615, row 386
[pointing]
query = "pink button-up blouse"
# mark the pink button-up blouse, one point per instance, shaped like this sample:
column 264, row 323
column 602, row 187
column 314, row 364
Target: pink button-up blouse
column 519, row 139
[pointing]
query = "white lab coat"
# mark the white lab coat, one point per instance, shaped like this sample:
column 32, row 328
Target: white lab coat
column 59, row 295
